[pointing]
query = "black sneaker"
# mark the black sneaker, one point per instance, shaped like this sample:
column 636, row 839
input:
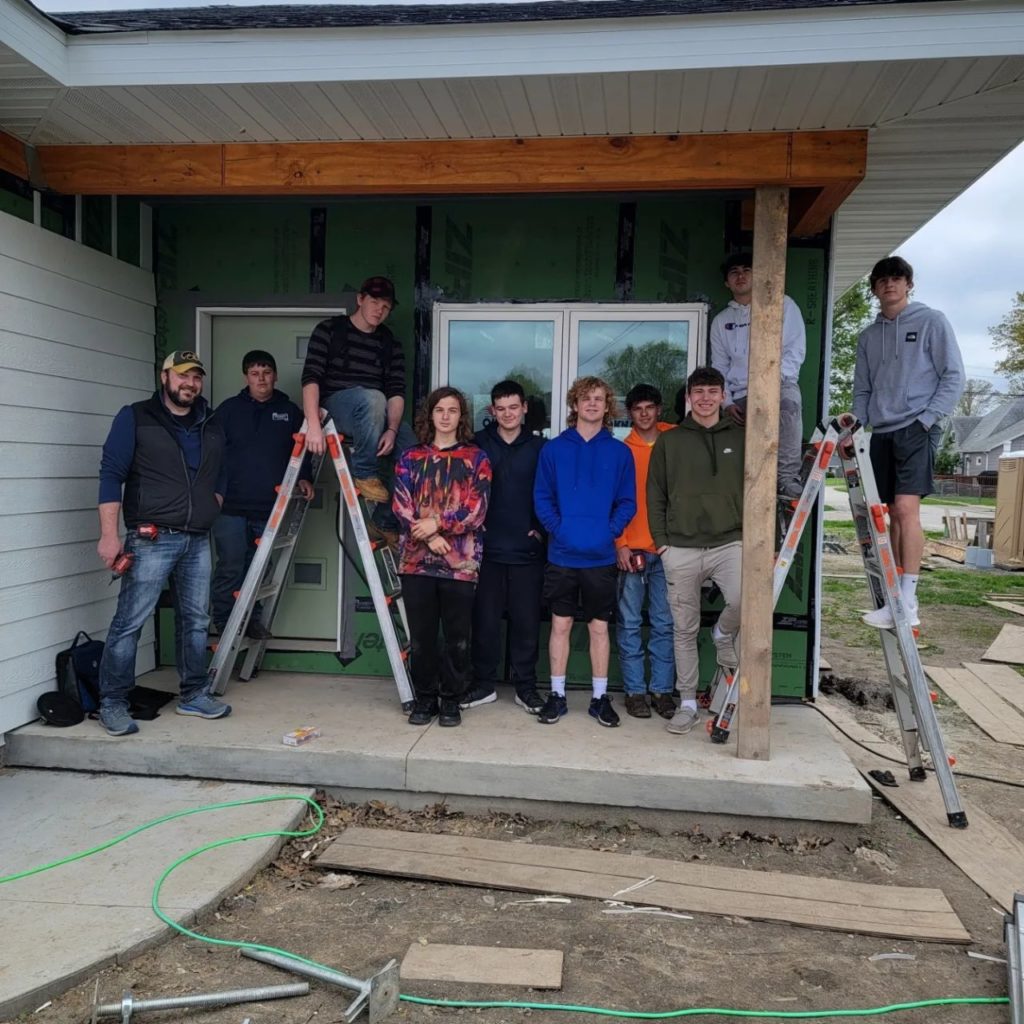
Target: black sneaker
column 601, row 709
column 530, row 700
column 423, row 711
column 450, row 714
column 554, row 708
column 257, row 631
column 477, row 696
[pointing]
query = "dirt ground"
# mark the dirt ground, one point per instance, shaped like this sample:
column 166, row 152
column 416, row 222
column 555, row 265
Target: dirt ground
column 628, row 962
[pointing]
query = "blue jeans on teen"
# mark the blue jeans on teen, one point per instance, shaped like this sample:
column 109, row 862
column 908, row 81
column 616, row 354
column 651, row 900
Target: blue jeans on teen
column 633, row 587
column 184, row 559
column 361, row 415
column 235, row 537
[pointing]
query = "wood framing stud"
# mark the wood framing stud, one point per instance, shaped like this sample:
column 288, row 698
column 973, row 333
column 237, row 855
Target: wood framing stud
column 771, row 213
column 450, row 167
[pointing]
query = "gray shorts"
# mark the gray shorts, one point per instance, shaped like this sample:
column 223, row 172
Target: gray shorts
column 903, row 460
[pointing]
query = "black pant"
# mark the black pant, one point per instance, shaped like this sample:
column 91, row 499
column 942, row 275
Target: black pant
column 430, row 602
column 515, row 590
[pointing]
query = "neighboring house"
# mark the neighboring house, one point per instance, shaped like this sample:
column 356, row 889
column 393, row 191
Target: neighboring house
column 994, row 434
column 552, row 186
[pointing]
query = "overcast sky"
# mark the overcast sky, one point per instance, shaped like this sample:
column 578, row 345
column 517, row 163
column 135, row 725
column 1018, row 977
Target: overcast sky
column 969, row 260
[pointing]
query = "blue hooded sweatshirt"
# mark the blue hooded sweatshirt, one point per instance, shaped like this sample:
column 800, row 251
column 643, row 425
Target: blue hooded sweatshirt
column 908, row 369
column 584, row 495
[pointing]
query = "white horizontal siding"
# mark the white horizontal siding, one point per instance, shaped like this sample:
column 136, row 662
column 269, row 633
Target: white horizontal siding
column 76, row 343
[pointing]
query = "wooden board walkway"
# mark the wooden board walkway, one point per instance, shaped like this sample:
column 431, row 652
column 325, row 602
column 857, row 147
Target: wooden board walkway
column 1008, row 646
column 980, row 703
column 1007, row 683
column 902, row 912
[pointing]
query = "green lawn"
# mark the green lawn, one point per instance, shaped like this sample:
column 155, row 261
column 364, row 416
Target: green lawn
column 933, row 500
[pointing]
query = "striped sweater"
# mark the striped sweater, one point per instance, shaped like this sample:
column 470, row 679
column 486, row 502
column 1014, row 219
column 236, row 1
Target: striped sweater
column 340, row 356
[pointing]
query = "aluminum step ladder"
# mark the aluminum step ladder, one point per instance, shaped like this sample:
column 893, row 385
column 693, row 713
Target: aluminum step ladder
column 919, row 726
column 268, row 572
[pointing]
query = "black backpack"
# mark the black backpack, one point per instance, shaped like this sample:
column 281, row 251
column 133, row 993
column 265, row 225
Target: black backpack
column 78, row 671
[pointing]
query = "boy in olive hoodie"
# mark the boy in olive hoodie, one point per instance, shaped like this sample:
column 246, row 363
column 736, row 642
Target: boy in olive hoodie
column 695, row 511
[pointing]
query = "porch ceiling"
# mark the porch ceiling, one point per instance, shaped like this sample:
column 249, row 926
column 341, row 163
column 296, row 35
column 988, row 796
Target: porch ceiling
column 935, row 124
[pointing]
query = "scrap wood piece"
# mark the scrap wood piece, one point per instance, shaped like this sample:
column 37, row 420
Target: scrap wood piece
column 843, row 721
column 946, row 549
column 1008, row 646
column 763, row 895
column 1006, row 682
column 985, row 708
column 1006, row 606
column 985, row 852
column 484, row 965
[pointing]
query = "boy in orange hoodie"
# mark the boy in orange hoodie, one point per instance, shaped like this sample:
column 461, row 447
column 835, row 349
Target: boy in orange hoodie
column 642, row 574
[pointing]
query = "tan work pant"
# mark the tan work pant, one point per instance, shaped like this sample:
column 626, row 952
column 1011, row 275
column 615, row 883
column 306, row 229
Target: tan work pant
column 686, row 569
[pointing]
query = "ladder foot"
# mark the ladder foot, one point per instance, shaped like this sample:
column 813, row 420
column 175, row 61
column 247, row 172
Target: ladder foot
column 918, row 775
column 407, row 706
column 719, row 735
column 957, row 819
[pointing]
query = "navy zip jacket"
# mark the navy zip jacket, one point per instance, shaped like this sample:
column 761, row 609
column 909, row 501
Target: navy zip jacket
column 259, row 444
column 510, row 515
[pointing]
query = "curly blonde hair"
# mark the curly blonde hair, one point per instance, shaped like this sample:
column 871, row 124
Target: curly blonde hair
column 580, row 387
column 423, row 424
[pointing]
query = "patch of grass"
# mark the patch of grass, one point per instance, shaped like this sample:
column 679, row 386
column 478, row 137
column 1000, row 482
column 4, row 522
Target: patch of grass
column 966, row 589
column 952, row 500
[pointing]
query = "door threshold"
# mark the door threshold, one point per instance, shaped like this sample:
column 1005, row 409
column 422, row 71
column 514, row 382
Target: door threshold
column 284, row 644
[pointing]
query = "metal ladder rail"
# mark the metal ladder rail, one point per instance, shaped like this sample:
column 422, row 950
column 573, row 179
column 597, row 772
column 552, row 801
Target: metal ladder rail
column 384, row 604
column 233, row 636
column 918, row 722
column 726, row 686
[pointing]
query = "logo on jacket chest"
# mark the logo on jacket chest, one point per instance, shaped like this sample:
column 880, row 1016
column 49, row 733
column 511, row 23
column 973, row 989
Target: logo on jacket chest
column 911, row 336
column 280, row 417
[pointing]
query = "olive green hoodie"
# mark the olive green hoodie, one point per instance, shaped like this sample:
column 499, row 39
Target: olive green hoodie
column 695, row 485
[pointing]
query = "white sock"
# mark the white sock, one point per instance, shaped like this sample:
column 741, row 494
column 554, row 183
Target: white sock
column 558, row 685
column 600, row 685
column 689, row 704
column 908, row 585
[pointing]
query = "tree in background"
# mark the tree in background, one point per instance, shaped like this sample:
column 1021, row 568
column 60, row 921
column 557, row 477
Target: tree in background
column 947, row 461
column 978, row 398
column 657, row 362
column 852, row 312
column 1008, row 335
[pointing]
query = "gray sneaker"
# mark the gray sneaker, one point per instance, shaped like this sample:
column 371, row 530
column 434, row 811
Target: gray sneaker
column 725, row 648
column 117, row 720
column 202, row 705
column 683, row 721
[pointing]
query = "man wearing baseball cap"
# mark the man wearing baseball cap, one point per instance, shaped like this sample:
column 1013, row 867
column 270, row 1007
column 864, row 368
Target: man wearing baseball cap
column 355, row 368
column 162, row 470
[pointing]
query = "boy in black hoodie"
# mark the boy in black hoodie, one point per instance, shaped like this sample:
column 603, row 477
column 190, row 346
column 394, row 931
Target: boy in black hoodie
column 512, row 571
column 258, row 422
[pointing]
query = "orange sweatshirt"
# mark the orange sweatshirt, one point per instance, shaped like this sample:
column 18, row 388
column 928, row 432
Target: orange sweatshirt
column 637, row 535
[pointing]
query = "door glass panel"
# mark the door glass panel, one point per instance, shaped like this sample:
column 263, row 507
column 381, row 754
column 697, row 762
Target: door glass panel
column 626, row 352
column 483, row 352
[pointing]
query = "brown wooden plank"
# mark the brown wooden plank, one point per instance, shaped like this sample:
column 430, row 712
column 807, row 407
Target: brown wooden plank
column 983, row 707
column 815, row 216
column 1008, row 646
column 12, row 156
column 842, row 718
column 771, row 896
column 448, row 167
column 1002, row 679
column 989, row 855
column 1008, row 606
column 771, row 212
column 483, row 965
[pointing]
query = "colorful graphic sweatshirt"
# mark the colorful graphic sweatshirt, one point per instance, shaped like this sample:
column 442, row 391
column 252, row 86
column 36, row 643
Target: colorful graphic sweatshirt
column 452, row 485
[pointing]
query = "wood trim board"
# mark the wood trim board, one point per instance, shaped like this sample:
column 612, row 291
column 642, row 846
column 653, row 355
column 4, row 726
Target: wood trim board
column 903, row 912
column 1002, row 679
column 981, row 704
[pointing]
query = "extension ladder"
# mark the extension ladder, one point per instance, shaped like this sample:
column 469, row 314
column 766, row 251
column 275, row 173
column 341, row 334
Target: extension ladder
column 268, row 572
column 918, row 724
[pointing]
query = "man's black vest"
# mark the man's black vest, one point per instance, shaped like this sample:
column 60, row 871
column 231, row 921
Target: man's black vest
column 159, row 488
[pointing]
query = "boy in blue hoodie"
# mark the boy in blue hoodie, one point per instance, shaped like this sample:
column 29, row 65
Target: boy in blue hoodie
column 584, row 496
column 908, row 377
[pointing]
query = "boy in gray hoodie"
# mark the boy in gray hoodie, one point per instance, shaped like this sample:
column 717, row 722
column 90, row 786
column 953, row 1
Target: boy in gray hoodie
column 909, row 376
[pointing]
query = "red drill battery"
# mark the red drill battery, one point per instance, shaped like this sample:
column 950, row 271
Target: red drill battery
column 637, row 561
column 148, row 531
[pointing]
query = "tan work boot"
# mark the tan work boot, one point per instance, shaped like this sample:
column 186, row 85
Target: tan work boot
column 371, row 488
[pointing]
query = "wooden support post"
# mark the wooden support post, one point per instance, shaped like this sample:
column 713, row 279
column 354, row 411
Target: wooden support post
column 771, row 217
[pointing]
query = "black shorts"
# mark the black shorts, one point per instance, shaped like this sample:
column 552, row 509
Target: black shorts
column 593, row 591
column 903, row 460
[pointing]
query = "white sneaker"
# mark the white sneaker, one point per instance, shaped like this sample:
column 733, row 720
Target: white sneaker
column 881, row 618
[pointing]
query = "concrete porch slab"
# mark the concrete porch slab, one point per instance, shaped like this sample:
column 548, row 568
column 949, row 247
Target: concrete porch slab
column 83, row 916
column 498, row 754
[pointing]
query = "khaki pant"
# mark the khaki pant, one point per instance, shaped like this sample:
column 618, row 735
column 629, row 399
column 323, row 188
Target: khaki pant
column 686, row 569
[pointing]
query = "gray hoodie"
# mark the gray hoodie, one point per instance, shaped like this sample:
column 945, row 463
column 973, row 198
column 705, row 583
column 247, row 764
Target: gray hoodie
column 907, row 369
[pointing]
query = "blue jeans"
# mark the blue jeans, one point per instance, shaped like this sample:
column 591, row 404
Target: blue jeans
column 361, row 415
column 235, row 537
column 184, row 559
column 632, row 588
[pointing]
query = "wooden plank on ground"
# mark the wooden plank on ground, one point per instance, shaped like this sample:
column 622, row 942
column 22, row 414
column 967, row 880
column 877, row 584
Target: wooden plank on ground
column 982, row 706
column 483, row 965
column 1008, row 606
column 1008, row 646
column 842, row 718
column 1002, row 679
column 764, row 895
column 946, row 549
column 984, row 851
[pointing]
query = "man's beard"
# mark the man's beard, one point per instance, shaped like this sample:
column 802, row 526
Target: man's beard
column 183, row 401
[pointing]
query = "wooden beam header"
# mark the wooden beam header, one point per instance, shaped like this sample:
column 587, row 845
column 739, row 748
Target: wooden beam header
column 460, row 167
column 13, row 156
